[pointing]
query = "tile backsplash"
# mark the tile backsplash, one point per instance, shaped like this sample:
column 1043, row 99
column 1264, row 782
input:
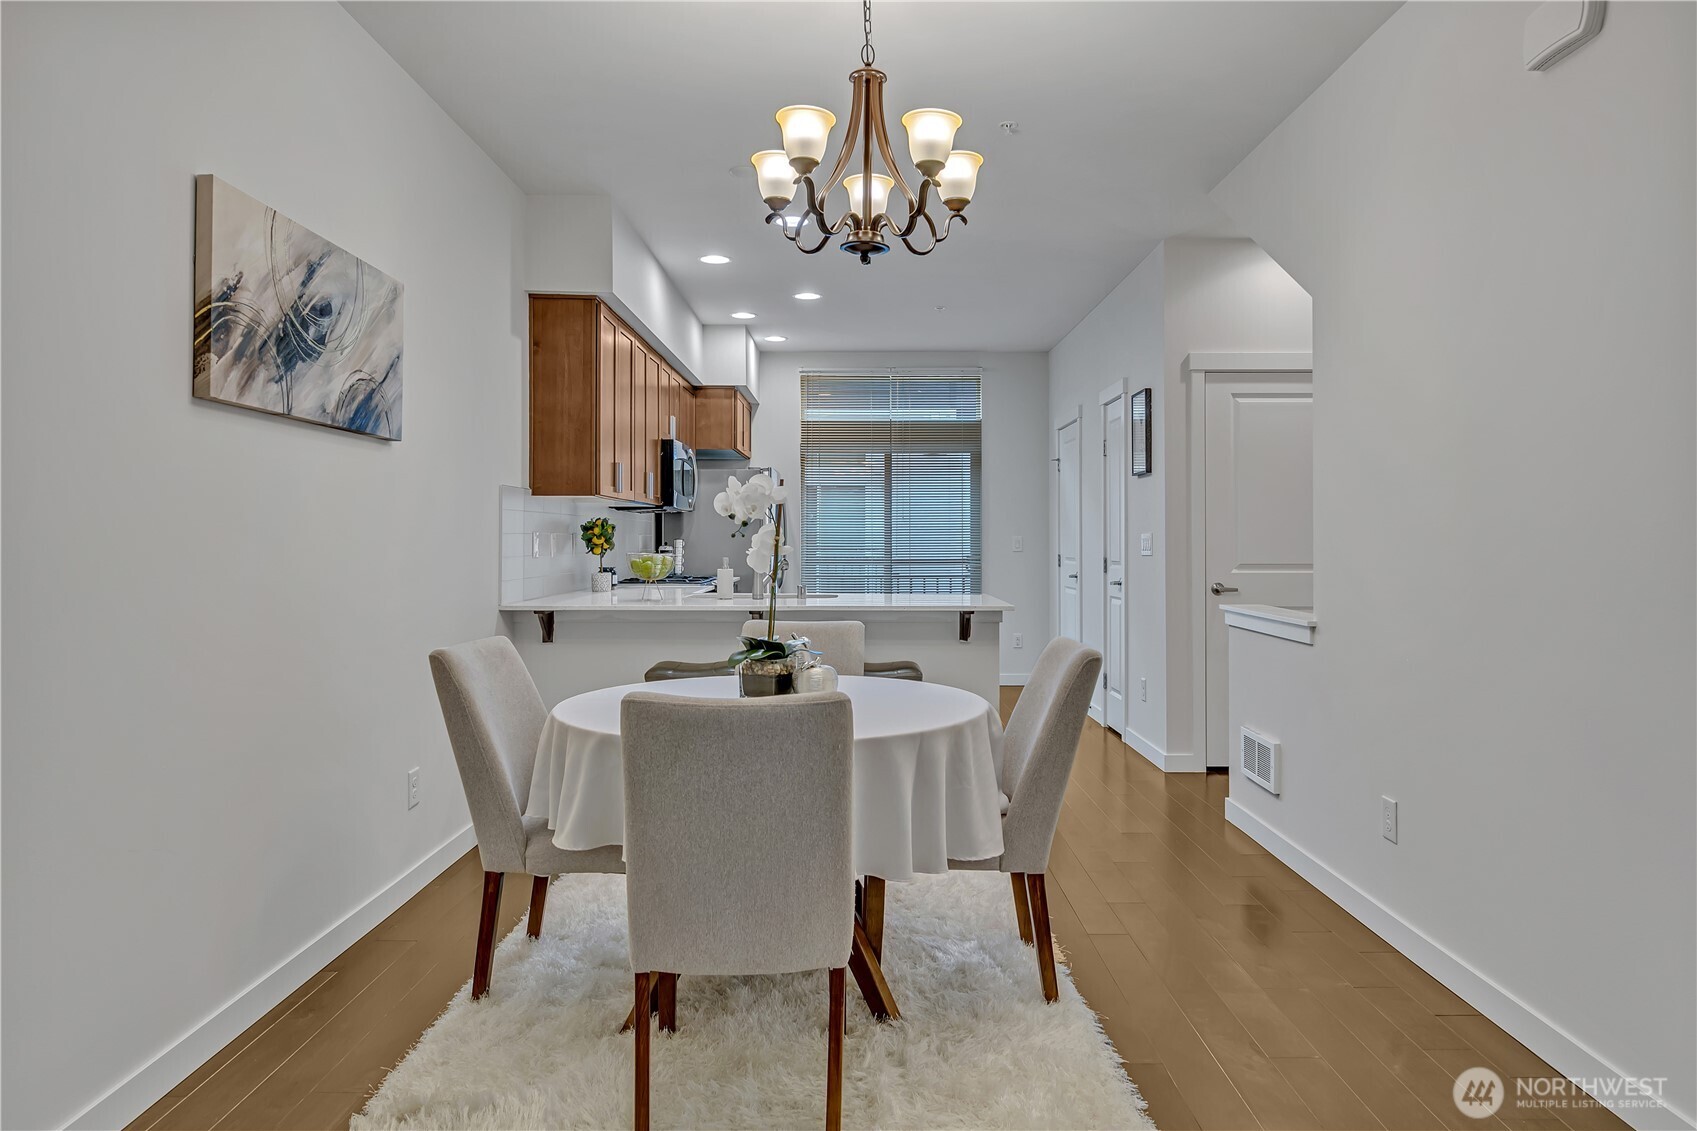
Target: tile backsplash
column 541, row 552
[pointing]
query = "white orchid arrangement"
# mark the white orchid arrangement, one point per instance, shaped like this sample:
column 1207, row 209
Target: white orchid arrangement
column 760, row 499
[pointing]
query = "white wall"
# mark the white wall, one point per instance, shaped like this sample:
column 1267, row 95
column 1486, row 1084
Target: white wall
column 582, row 244
column 1189, row 295
column 1121, row 340
column 1015, row 487
column 216, row 620
column 1502, row 269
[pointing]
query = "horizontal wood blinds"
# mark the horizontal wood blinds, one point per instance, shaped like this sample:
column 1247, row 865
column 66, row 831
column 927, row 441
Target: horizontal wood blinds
column 890, row 472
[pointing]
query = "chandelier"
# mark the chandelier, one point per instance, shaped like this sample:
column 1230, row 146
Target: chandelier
column 944, row 171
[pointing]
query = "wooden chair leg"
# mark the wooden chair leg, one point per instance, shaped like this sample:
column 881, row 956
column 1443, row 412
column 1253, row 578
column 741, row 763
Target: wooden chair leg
column 872, row 915
column 538, row 900
column 1022, row 907
column 834, row 1055
column 485, row 959
column 1041, row 936
column 644, row 983
column 668, row 1003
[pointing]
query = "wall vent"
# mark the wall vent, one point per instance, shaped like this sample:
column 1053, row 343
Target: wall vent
column 1260, row 762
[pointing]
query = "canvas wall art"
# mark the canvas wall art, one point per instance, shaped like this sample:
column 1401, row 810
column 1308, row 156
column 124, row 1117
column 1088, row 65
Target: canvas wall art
column 288, row 323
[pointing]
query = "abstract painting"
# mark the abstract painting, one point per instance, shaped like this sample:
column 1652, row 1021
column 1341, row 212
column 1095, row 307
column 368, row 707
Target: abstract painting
column 288, row 323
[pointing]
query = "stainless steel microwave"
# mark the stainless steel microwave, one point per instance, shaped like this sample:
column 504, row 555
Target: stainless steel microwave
column 677, row 475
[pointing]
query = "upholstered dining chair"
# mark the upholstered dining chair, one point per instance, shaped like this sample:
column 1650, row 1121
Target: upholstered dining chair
column 1038, row 749
column 738, row 851
column 843, row 642
column 494, row 717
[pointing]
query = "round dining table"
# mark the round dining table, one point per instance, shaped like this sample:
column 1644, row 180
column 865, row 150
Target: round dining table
column 926, row 763
column 927, row 760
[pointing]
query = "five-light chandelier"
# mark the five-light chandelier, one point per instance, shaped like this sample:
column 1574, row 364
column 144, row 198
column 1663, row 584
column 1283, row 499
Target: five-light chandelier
column 948, row 172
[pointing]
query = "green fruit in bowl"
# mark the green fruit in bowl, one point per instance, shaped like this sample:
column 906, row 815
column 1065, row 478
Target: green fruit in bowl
column 650, row 567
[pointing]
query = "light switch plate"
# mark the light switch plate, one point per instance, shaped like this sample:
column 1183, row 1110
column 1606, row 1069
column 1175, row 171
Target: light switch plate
column 1146, row 545
column 1387, row 818
column 1018, row 544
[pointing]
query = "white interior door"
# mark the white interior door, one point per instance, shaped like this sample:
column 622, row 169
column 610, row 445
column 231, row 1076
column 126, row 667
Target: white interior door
column 1259, row 467
column 1113, row 563
column 1068, row 532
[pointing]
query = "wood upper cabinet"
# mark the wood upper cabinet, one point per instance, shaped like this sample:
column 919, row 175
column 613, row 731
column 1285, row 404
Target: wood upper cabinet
column 601, row 401
column 723, row 421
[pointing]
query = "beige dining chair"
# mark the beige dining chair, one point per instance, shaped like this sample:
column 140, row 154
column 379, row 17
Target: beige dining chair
column 1038, row 749
column 738, row 851
column 494, row 717
column 843, row 642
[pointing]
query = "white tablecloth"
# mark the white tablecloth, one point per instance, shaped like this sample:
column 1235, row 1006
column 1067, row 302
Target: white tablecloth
column 925, row 771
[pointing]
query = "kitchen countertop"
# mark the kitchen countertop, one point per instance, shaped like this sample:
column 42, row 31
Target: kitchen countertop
column 682, row 598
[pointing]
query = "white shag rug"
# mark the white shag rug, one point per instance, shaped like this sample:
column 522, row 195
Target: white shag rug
column 977, row 1047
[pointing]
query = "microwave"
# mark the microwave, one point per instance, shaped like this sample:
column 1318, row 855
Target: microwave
column 677, row 475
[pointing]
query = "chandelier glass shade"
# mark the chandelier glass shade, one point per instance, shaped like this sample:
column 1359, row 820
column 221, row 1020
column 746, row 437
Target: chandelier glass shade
column 866, row 223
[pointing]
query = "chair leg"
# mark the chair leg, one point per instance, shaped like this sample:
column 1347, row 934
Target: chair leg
column 538, row 900
column 668, row 1004
column 485, row 959
column 872, row 915
column 1022, row 907
column 643, row 1029
column 834, row 1055
column 1040, row 932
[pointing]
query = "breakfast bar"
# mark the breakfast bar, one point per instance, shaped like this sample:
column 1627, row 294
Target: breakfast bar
column 574, row 642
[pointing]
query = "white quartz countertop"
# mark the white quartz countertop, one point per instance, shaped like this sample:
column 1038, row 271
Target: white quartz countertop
column 672, row 599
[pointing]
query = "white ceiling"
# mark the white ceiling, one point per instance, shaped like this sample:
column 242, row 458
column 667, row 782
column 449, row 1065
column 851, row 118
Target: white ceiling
column 1128, row 114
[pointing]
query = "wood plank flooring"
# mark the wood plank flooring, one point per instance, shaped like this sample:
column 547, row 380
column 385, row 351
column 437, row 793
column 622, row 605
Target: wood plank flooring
column 1237, row 995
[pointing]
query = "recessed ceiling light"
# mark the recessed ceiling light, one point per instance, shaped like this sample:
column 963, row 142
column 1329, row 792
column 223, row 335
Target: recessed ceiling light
column 806, row 296
column 774, row 338
column 715, row 260
column 742, row 314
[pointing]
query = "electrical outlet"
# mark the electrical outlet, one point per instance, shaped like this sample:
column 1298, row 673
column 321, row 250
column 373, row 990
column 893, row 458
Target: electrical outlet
column 1018, row 544
column 1143, row 689
column 1019, row 640
column 1387, row 818
column 536, row 545
column 412, row 788
column 1146, row 545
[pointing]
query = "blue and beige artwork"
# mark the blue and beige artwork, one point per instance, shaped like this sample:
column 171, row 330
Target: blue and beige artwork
column 286, row 322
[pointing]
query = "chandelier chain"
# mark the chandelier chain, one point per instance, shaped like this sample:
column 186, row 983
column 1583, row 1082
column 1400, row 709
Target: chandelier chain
column 867, row 55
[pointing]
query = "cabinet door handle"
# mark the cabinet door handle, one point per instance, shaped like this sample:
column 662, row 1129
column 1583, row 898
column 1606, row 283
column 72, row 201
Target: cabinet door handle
column 618, row 477
column 650, row 483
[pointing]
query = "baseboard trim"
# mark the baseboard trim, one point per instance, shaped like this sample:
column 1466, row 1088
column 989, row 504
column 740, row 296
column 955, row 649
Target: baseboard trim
column 1015, row 679
column 165, row 1071
column 1172, row 763
column 1561, row 1049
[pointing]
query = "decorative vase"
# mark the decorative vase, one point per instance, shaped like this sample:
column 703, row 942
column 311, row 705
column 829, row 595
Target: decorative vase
column 601, row 581
column 816, row 677
column 757, row 679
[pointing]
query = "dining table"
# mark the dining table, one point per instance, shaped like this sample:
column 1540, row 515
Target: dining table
column 926, row 772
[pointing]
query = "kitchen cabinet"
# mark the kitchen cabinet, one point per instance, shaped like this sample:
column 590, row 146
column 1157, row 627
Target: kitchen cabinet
column 601, row 400
column 723, row 421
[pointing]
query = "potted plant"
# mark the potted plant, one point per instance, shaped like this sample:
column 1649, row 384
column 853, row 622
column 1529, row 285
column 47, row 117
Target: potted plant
column 597, row 535
column 763, row 663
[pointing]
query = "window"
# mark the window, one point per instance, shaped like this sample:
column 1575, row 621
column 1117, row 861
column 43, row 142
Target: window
column 889, row 483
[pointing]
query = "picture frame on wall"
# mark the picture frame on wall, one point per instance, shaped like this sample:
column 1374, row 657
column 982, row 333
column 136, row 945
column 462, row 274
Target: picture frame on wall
column 1142, row 434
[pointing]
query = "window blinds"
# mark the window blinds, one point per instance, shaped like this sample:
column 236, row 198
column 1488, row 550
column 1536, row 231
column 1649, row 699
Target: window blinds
column 890, row 470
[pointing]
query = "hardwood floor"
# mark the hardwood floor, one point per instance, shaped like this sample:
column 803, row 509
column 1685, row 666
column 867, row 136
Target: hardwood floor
column 1237, row 995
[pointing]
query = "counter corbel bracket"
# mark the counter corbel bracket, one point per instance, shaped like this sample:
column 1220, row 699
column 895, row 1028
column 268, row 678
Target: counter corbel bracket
column 545, row 618
column 966, row 625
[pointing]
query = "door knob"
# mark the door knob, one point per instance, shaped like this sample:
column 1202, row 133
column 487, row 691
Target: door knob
column 1116, row 583
column 1072, row 577
column 1216, row 589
